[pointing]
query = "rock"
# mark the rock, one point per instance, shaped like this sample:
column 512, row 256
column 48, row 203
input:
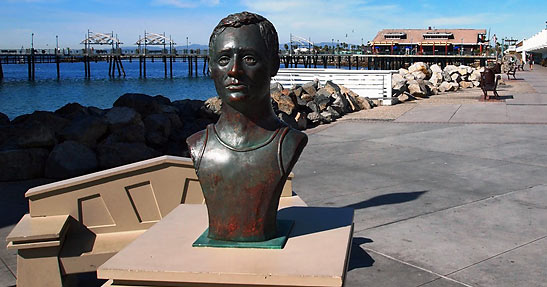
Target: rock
column 420, row 66
column 436, row 78
column 189, row 109
column 322, row 98
column 21, row 164
column 34, row 135
column 475, row 76
column 311, row 87
column 450, row 69
column 466, row 85
column 301, row 103
column 431, row 89
column 276, row 86
column 301, row 120
column 398, row 84
column 331, row 87
column 455, row 86
column 419, row 75
column 327, row 117
column 417, row 89
column 307, row 97
column 85, row 130
column 444, row 87
column 335, row 114
column 176, row 122
column 117, row 154
column 297, row 92
column 158, row 129
column 403, row 71
column 214, row 104
column 364, row 103
column 120, row 117
column 404, row 97
column 436, row 68
column 69, row 159
column 456, row 77
column 284, row 102
column 476, row 83
column 288, row 120
column 143, row 104
column 446, row 77
column 130, row 133
column 314, row 107
column 4, row 120
column 340, row 103
column 315, row 117
column 409, row 77
column 462, row 70
column 47, row 119
column 94, row 111
column 158, row 123
column 168, row 109
column 162, row 100
column 72, row 110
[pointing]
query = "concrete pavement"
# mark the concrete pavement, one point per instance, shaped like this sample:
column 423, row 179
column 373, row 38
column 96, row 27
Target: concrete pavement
column 446, row 192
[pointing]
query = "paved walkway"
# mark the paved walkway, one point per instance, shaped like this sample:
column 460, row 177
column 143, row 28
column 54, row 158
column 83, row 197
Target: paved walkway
column 446, row 194
column 447, row 191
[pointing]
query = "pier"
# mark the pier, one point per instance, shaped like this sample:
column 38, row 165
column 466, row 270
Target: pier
column 115, row 60
column 377, row 62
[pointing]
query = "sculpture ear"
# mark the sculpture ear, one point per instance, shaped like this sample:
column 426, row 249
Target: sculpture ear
column 275, row 66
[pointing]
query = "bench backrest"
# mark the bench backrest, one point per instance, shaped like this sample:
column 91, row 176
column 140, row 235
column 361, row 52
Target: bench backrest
column 372, row 84
column 126, row 198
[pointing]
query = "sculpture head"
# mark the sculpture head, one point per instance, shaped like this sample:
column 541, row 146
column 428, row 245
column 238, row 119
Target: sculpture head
column 243, row 49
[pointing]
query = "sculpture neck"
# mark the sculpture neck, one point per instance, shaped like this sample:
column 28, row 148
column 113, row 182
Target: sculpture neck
column 241, row 131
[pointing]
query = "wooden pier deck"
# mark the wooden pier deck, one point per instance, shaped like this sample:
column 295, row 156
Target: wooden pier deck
column 351, row 61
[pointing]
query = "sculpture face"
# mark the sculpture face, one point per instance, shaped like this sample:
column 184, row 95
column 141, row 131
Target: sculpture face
column 240, row 67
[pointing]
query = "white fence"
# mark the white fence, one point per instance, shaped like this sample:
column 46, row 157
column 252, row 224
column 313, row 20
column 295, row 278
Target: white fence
column 371, row 84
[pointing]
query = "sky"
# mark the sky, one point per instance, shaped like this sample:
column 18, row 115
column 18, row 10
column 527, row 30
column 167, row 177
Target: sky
column 349, row 21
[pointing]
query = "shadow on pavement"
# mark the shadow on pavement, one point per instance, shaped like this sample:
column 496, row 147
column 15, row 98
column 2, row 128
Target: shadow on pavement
column 390, row 198
column 358, row 257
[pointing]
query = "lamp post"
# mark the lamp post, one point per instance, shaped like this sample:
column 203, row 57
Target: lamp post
column 32, row 42
column 332, row 41
column 186, row 44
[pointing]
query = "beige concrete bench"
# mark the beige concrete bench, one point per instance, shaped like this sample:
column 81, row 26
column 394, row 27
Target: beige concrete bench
column 75, row 225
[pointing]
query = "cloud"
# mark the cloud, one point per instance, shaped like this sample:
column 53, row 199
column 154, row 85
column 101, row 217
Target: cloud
column 185, row 3
column 324, row 20
column 459, row 21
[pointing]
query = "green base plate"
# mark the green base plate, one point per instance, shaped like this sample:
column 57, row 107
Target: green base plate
column 284, row 227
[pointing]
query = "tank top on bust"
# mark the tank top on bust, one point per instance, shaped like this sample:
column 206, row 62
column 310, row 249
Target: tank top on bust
column 241, row 186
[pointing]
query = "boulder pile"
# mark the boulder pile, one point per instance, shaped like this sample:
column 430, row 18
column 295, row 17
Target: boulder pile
column 422, row 80
column 76, row 140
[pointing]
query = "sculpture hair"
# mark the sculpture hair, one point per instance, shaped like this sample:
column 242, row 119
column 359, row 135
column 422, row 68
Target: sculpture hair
column 267, row 31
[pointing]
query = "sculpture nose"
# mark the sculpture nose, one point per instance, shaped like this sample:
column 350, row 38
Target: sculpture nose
column 235, row 69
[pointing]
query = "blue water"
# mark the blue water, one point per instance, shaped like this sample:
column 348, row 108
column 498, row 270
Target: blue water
column 19, row 96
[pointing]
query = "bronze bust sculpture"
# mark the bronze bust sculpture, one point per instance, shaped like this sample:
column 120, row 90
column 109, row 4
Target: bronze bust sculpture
column 243, row 160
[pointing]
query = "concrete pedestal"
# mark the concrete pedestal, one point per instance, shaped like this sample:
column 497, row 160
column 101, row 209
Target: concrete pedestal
column 316, row 253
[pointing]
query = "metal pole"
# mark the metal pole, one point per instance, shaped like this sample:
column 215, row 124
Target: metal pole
column 57, row 56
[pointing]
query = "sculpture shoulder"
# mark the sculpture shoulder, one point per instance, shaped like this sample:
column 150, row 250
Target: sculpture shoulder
column 292, row 145
column 196, row 143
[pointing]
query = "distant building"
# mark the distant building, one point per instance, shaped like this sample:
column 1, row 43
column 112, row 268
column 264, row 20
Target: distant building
column 430, row 42
column 537, row 45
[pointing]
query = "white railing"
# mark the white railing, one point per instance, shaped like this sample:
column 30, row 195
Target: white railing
column 372, row 84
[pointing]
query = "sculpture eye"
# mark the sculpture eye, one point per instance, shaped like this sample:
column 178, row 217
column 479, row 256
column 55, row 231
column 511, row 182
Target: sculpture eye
column 223, row 61
column 249, row 60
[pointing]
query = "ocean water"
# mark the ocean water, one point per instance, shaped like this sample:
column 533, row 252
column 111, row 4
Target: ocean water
column 20, row 96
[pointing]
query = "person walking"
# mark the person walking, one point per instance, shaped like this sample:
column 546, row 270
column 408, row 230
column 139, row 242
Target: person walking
column 531, row 62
